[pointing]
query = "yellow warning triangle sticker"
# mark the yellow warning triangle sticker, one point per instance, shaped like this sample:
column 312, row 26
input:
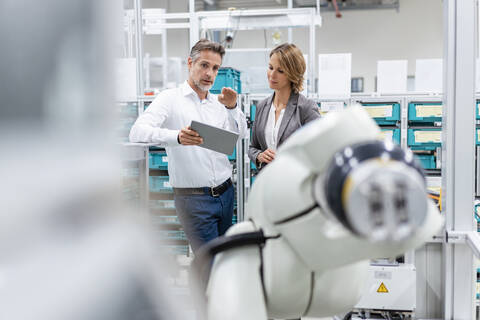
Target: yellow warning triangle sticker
column 382, row 289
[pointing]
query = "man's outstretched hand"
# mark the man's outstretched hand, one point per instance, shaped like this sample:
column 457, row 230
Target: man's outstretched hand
column 228, row 98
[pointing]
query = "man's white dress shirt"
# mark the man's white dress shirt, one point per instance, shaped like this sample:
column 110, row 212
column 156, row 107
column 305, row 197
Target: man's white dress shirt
column 271, row 128
column 174, row 109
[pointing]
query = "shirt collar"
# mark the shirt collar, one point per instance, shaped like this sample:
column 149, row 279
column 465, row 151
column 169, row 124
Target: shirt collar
column 187, row 90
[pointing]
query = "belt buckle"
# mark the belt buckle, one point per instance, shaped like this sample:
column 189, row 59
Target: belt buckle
column 213, row 193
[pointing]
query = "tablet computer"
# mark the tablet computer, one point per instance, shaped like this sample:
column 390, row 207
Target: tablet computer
column 214, row 138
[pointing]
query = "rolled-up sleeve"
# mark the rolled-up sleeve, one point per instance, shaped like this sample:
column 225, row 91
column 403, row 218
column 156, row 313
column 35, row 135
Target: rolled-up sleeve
column 148, row 126
column 237, row 122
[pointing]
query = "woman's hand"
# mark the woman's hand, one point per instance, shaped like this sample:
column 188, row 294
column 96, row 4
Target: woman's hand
column 266, row 156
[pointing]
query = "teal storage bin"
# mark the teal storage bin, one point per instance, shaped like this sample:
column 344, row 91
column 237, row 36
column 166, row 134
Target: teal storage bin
column 177, row 250
column 158, row 160
column 395, row 134
column 162, row 205
column 427, row 161
column 233, row 156
column 172, row 235
column 253, row 110
column 166, row 220
column 128, row 110
column 160, row 184
column 384, row 113
column 424, row 139
column 227, row 77
column 477, row 136
column 477, row 110
column 424, row 112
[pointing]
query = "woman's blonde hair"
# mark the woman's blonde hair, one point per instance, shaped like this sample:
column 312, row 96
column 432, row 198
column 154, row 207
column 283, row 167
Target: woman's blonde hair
column 292, row 63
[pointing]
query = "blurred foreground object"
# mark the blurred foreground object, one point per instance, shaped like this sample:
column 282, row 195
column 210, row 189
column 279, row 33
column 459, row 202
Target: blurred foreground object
column 69, row 248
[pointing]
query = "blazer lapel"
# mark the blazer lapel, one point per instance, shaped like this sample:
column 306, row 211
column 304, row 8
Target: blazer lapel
column 289, row 111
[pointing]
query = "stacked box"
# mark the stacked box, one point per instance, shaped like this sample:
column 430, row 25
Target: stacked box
column 160, row 184
column 166, row 235
column 128, row 113
column 227, row 77
column 425, row 112
column 383, row 113
column 158, row 160
column 424, row 138
column 427, row 161
column 391, row 134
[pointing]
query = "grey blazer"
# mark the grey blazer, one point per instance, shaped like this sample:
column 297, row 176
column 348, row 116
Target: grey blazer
column 299, row 111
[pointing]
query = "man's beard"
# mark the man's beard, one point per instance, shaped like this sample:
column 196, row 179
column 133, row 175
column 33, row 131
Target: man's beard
column 201, row 86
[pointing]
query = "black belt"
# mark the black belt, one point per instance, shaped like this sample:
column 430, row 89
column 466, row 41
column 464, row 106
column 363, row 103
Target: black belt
column 212, row 191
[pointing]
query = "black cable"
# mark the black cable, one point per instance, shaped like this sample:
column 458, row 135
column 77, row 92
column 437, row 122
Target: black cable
column 348, row 316
column 204, row 255
column 203, row 260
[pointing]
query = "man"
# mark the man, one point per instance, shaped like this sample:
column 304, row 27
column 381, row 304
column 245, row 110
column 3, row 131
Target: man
column 201, row 178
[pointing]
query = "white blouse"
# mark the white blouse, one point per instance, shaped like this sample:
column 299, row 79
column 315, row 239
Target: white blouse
column 271, row 129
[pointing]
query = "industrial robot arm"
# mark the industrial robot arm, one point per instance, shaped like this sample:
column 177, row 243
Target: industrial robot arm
column 335, row 197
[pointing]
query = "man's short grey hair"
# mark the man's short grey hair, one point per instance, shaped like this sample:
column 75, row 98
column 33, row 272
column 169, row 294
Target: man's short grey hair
column 205, row 44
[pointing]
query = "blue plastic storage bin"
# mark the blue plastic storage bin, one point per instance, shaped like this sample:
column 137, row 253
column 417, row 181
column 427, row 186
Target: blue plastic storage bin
column 126, row 123
column 233, row 156
column 175, row 249
column 477, row 110
column 128, row 110
column 253, row 110
column 424, row 112
column 418, row 139
column 227, row 77
column 427, row 161
column 166, row 220
column 160, row 184
column 394, row 133
column 161, row 204
column 172, row 234
column 384, row 113
column 158, row 160
column 130, row 172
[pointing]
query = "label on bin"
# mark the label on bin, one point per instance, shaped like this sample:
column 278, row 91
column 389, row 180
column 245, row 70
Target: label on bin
column 434, row 189
column 429, row 110
column 166, row 184
column 387, row 135
column 380, row 111
column 331, row 106
column 428, row 136
column 164, row 159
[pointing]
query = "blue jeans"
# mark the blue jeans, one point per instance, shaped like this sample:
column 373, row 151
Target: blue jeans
column 204, row 217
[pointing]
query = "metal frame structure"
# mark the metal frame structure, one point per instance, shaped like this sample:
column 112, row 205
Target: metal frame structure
column 263, row 19
column 156, row 22
column 460, row 46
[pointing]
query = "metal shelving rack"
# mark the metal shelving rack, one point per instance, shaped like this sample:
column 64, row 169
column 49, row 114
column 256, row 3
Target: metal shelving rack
column 433, row 261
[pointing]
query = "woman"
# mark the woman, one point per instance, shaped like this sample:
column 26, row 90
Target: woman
column 286, row 110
